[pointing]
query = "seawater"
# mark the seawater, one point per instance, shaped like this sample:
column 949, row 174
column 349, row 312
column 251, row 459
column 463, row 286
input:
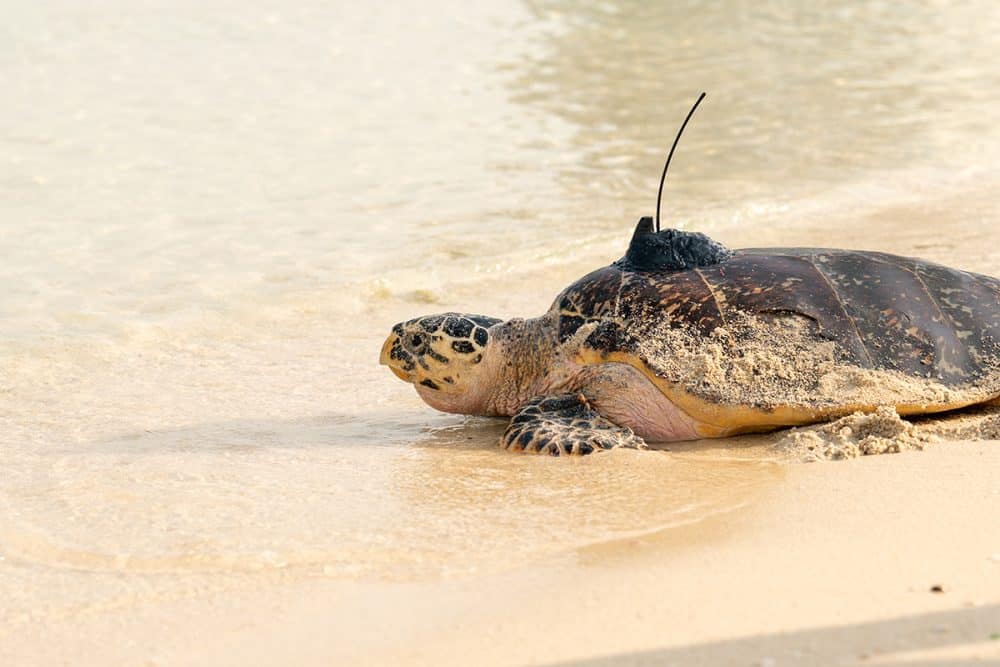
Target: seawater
column 210, row 214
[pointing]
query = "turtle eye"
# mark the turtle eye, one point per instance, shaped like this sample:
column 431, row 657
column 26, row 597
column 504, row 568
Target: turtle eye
column 416, row 340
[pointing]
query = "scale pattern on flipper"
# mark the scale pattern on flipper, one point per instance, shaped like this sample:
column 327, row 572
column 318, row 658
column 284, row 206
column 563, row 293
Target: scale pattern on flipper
column 564, row 424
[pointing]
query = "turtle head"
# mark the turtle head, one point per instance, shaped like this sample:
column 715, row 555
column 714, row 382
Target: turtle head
column 442, row 356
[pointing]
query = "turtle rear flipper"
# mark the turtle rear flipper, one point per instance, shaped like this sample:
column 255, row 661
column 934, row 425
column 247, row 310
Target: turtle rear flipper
column 564, row 424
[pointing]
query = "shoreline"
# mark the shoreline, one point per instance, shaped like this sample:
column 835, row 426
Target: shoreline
column 212, row 219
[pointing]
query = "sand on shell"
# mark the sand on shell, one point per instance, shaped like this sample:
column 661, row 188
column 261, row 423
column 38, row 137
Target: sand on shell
column 771, row 360
column 777, row 360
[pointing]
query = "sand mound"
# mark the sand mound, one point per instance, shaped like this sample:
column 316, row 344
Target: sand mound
column 859, row 434
column 885, row 432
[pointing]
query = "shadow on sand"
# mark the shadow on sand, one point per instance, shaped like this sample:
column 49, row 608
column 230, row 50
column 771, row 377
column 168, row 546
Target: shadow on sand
column 870, row 643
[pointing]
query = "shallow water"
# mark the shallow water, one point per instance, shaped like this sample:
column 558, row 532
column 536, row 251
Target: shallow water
column 210, row 216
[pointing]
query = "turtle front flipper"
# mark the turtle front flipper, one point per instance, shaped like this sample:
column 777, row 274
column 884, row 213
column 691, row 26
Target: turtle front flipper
column 564, row 424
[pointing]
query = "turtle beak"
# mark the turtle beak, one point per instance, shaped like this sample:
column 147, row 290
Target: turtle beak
column 385, row 360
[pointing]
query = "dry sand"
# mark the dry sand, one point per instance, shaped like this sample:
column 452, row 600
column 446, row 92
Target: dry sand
column 877, row 560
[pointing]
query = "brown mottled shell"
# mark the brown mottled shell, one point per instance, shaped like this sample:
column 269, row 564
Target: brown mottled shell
column 885, row 312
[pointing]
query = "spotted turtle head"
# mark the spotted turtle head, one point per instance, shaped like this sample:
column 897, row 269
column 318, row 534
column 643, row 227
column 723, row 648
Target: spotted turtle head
column 442, row 355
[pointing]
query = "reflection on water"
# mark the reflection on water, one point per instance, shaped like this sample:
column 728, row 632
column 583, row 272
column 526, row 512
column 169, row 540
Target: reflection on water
column 800, row 97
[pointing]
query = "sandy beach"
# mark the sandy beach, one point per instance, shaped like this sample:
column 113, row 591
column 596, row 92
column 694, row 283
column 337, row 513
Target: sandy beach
column 743, row 558
column 211, row 216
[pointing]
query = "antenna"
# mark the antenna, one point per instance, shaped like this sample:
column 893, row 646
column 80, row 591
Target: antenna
column 659, row 195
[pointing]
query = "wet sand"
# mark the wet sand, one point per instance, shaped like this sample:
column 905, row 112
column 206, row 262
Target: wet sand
column 829, row 564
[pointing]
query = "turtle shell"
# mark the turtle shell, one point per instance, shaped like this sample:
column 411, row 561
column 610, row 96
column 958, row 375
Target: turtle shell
column 882, row 313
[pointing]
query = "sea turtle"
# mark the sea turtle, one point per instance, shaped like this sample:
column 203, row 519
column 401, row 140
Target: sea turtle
column 683, row 338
